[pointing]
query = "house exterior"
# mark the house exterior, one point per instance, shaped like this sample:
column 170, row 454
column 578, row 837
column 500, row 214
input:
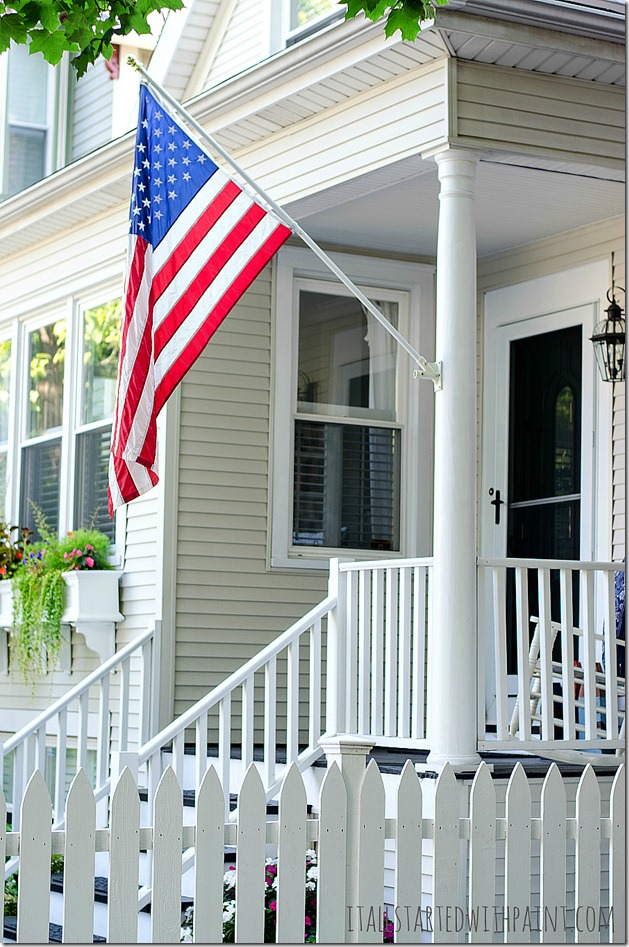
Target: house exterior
column 472, row 183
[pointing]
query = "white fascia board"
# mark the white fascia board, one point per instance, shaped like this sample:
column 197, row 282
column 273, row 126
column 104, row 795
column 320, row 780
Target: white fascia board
column 593, row 19
column 540, row 37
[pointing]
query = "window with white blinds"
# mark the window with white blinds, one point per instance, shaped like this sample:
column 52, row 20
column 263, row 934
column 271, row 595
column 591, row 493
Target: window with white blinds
column 346, row 470
column 57, row 392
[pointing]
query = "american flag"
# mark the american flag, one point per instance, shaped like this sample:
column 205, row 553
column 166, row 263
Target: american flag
column 197, row 241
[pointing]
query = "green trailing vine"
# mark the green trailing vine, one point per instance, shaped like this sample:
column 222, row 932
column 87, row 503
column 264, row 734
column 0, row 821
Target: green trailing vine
column 36, row 637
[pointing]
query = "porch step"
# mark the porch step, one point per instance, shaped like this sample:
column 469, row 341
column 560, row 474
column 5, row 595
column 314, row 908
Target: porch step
column 55, row 932
column 189, row 797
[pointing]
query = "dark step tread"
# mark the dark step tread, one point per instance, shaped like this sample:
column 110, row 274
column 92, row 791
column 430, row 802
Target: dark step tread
column 189, row 796
column 55, row 932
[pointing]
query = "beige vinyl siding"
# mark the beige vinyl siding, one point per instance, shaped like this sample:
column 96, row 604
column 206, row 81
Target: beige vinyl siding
column 229, row 604
column 552, row 255
column 526, row 112
column 91, row 111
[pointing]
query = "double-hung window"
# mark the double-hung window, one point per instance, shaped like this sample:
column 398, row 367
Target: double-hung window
column 29, row 107
column 57, row 392
column 347, row 412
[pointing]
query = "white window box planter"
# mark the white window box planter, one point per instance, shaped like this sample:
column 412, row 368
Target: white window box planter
column 92, row 606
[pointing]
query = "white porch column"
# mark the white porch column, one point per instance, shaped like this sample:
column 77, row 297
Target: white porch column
column 452, row 706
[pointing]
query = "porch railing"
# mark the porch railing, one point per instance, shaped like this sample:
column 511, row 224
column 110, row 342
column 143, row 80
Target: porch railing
column 354, row 664
column 386, row 609
column 95, row 712
column 554, row 664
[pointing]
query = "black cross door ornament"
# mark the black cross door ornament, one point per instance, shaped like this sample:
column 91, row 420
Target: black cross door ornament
column 496, row 502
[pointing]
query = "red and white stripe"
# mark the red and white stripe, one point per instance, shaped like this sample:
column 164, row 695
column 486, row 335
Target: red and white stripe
column 176, row 297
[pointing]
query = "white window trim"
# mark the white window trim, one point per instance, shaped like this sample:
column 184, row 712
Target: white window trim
column 18, row 329
column 281, row 33
column 411, row 282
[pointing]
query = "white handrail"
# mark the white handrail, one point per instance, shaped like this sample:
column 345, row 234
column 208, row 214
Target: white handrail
column 79, row 689
column 235, row 680
column 575, row 564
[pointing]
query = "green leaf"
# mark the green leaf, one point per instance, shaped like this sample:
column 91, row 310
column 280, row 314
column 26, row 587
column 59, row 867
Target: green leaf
column 52, row 46
column 11, row 28
column 49, row 16
column 404, row 21
column 87, row 57
column 138, row 23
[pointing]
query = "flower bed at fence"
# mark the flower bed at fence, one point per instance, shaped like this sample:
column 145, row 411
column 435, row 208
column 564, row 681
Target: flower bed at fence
column 270, row 906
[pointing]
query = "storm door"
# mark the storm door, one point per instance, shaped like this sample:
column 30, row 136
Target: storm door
column 536, row 498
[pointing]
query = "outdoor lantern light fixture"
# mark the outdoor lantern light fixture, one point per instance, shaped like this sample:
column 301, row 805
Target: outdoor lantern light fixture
column 609, row 341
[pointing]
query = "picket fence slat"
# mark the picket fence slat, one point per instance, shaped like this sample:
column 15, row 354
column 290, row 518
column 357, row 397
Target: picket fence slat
column 482, row 856
column 408, row 853
column 250, row 860
column 167, row 847
column 370, row 857
column 332, row 858
column 291, row 858
column 34, row 886
column 617, row 891
column 518, row 852
column 78, row 875
column 210, row 848
column 588, row 854
column 553, row 854
column 446, row 846
column 124, row 860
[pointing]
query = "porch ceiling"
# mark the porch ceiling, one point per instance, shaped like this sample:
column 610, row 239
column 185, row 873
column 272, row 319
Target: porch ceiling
column 395, row 209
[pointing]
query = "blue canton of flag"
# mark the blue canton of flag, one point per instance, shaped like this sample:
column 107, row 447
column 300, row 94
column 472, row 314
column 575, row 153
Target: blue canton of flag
column 169, row 171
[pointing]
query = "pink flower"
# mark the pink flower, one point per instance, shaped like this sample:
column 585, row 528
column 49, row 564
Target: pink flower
column 89, row 562
column 307, row 921
column 76, row 569
column 65, row 555
column 89, row 547
column 273, row 906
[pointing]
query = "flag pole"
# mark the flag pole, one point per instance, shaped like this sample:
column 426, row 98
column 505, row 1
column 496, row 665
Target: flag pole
column 425, row 369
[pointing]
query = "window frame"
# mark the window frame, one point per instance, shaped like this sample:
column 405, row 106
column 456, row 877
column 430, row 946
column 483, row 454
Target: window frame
column 18, row 329
column 412, row 286
column 55, row 125
column 283, row 36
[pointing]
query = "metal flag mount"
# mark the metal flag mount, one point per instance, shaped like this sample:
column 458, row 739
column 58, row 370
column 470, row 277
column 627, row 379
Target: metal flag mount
column 425, row 369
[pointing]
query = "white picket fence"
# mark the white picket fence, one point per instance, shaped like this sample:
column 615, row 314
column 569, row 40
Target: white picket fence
column 468, row 854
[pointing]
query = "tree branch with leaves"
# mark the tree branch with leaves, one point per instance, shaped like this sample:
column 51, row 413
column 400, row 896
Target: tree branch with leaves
column 407, row 16
column 85, row 28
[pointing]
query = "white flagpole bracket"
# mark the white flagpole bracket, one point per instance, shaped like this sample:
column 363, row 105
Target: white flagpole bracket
column 426, row 369
column 430, row 370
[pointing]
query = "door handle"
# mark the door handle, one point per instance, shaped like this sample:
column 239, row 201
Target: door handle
column 497, row 503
